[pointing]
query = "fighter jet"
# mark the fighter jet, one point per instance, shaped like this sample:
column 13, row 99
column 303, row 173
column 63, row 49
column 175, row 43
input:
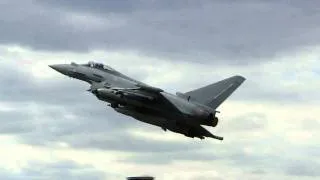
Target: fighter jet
column 184, row 113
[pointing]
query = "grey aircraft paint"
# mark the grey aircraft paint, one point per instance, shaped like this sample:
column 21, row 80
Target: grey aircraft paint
column 183, row 113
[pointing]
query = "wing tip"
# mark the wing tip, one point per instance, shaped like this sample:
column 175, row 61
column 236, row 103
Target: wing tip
column 240, row 79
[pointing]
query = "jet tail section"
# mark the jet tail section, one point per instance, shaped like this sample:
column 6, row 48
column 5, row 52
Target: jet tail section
column 214, row 94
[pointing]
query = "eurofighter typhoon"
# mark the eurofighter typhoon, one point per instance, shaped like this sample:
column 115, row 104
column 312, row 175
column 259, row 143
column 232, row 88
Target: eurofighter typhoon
column 183, row 113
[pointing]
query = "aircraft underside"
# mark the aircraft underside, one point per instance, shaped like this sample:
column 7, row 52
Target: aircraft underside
column 151, row 117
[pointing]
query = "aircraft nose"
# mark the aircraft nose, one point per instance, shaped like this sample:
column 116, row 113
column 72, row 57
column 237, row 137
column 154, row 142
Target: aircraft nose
column 62, row 68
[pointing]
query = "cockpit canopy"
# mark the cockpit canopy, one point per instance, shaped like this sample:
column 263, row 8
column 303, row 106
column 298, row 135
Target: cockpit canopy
column 98, row 66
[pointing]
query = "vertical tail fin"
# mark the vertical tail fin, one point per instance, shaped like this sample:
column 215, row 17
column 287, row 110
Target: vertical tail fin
column 214, row 94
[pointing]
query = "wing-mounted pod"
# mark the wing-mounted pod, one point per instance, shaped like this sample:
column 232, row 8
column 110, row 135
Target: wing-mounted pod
column 121, row 96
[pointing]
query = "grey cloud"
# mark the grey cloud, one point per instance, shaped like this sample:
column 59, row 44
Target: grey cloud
column 246, row 123
column 186, row 31
column 258, row 171
column 256, row 160
column 304, row 168
column 167, row 157
column 58, row 170
column 311, row 124
column 107, row 6
column 31, row 25
column 129, row 143
column 203, row 177
column 260, row 164
column 19, row 86
column 216, row 153
column 312, row 151
column 15, row 122
column 260, row 88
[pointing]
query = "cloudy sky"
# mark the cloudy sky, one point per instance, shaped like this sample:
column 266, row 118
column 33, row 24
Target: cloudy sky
column 51, row 128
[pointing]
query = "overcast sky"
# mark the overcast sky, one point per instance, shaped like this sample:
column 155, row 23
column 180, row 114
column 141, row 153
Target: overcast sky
column 52, row 128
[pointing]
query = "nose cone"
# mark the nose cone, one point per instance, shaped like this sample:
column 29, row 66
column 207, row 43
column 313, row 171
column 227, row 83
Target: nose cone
column 62, row 68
